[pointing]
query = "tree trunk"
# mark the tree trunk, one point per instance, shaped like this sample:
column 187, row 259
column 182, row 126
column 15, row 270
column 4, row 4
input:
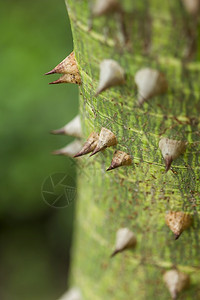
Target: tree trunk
column 162, row 36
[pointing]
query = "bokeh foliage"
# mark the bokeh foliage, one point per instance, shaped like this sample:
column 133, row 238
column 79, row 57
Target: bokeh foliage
column 34, row 238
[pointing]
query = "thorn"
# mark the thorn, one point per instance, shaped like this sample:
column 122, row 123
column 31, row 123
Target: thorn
column 104, row 7
column 120, row 158
column 176, row 236
column 89, row 145
column 150, row 83
column 192, row 6
column 68, row 78
column 50, row 72
column 176, row 281
column 72, row 294
column 57, row 152
column 106, row 139
column 171, row 149
column 73, row 128
column 58, row 81
column 67, row 66
column 78, row 154
column 168, row 162
column 114, row 253
column 70, row 150
column 58, row 131
column 111, row 74
column 97, row 149
column 110, row 168
column 178, row 221
column 125, row 239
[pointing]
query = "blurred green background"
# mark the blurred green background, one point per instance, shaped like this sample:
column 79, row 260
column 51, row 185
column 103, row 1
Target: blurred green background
column 34, row 237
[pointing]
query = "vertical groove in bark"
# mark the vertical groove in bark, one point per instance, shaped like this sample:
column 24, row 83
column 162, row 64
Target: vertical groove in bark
column 137, row 197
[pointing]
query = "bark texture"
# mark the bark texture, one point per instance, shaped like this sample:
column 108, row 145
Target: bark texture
column 161, row 36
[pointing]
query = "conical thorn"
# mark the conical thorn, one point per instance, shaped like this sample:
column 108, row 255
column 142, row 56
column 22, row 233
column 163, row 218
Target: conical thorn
column 114, row 253
column 176, row 236
column 168, row 162
column 57, row 131
column 97, row 149
column 81, row 153
column 110, row 168
column 55, row 82
column 50, row 72
column 57, row 152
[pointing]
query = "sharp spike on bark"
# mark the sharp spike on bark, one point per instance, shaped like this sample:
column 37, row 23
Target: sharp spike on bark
column 192, row 6
column 171, row 149
column 67, row 66
column 73, row 128
column 50, row 72
column 111, row 74
column 168, row 162
column 89, row 145
column 70, row 150
column 68, row 78
column 110, row 168
column 178, row 222
column 125, row 239
column 104, row 7
column 96, row 150
column 176, row 281
column 120, row 158
column 57, row 152
column 106, row 139
column 176, row 236
column 114, row 253
column 150, row 83
column 72, row 294
column 58, row 131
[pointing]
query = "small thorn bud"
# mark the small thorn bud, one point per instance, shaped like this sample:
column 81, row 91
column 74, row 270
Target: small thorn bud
column 89, row 145
column 106, row 139
column 70, row 150
column 68, row 78
column 104, row 7
column 171, row 149
column 176, row 281
column 150, row 83
column 72, row 294
column 120, row 158
column 73, row 128
column 192, row 6
column 125, row 239
column 111, row 74
column 67, row 66
column 178, row 222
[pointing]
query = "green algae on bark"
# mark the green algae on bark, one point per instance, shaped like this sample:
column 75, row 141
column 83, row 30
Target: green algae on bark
column 137, row 197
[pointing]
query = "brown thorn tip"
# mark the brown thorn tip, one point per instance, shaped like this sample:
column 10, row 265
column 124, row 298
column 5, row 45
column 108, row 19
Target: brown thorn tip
column 114, row 253
column 168, row 162
column 176, row 236
column 57, row 131
column 50, row 72
column 56, row 152
column 98, row 92
column 78, row 154
column 110, row 168
column 95, row 151
column 54, row 82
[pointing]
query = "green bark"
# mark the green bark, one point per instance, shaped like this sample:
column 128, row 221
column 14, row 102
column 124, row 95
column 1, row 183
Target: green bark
column 137, row 197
